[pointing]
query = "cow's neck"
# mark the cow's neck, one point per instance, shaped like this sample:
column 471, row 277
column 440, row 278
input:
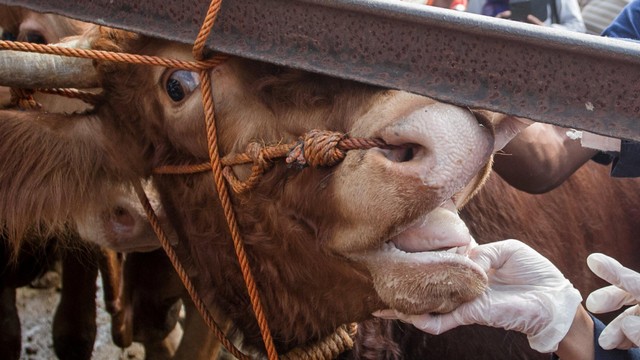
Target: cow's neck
column 296, row 279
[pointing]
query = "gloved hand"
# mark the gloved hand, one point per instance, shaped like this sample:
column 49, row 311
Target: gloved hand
column 624, row 331
column 526, row 293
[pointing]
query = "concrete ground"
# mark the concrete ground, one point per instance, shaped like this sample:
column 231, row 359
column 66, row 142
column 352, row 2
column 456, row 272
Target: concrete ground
column 36, row 308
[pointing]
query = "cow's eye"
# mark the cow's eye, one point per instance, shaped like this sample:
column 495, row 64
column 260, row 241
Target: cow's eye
column 35, row 37
column 180, row 84
column 8, row 36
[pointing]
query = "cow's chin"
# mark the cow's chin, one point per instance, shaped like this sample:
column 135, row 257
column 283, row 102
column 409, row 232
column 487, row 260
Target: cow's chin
column 425, row 268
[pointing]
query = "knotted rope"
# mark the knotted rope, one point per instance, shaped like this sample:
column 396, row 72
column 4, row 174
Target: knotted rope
column 340, row 341
column 315, row 148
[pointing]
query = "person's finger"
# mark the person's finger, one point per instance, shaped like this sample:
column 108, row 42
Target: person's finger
column 609, row 298
column 494, row 255
column 431, row 324
column 504, row 15
column 435, row 324
column 506, row 128
column 631, row 328
column 613, row 336
column 534, row 20
column 610, row 270
column 388, row 314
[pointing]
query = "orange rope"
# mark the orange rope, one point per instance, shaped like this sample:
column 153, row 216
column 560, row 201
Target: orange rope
column 182, row 273
column 85, row 96
column 315, row 148
column 221, row 188
column 111, row 56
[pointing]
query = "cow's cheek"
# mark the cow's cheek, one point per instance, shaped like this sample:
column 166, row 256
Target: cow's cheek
column 371, row 201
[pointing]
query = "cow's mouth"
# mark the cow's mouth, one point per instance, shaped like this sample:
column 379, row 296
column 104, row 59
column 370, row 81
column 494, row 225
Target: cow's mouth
column 425, row 267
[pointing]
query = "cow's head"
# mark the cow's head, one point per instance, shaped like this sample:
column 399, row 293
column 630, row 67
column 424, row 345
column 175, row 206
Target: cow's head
column 327, row 245
column 17, row 23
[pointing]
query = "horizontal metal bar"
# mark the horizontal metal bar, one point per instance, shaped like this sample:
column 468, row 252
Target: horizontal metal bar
column 546, row 74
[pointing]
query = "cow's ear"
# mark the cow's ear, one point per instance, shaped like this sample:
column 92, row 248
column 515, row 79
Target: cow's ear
column 54, row 167
column 122, row 225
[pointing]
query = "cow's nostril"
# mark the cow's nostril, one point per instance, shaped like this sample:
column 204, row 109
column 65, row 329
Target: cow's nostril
column 402, row 153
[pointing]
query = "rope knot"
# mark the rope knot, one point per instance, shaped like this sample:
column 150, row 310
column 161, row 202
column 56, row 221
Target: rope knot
column 23, row 99
column 317, row 148
column 256, row 152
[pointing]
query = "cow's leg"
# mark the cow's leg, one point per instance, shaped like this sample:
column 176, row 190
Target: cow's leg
column 155, row 323
column 10, row 343
column 151, row 294
column 74, row 324
column 111, row 269
column 198, row 342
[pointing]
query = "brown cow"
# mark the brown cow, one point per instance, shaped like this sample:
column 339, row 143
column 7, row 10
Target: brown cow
column 328, row 243
column 74, row 326
column 314, row 234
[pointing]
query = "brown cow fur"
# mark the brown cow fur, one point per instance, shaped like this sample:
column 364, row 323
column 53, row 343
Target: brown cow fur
column 323, row 289
column 590, row 212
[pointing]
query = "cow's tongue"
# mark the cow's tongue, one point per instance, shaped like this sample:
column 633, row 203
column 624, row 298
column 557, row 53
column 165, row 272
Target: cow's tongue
column 425, row 268
column 442, row 229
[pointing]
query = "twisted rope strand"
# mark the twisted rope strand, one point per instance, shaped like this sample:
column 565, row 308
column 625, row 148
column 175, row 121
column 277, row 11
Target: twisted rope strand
column 205, row 29
column 112, row 56
column 321, row 153
column 221, row 188
column 88, row 97
column 182, row 273
column 223, row 195
column 329, row 348
column 23, row 99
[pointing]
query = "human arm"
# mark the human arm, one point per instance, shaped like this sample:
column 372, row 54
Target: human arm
column 578, row 344
column 540, row 158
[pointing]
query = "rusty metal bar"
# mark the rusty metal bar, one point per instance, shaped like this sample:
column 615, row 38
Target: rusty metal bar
column 549, row 75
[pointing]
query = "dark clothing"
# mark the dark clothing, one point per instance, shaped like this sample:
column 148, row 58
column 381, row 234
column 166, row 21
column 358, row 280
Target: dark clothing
column 601, row 354
column 625, row 163
column 627, row 24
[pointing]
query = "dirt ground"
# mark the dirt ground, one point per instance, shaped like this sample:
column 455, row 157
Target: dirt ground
column 36, row 308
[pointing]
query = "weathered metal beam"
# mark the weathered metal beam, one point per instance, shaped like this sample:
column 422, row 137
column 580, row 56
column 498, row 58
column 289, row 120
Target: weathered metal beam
column 549, row 75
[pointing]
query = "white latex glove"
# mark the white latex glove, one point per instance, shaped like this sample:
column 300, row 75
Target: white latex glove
column 526, row 293
column 624, row 331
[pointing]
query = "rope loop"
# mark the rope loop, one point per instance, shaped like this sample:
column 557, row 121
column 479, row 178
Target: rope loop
column 259, row 156
column 328, row 348
column 317, row 148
